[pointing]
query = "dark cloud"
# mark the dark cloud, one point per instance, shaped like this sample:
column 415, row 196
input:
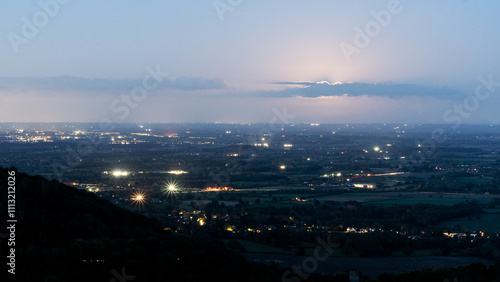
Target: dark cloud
column 314, row 90
column 67, row 83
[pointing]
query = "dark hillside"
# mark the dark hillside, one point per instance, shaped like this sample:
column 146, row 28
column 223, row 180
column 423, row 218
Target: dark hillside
column 66, row 234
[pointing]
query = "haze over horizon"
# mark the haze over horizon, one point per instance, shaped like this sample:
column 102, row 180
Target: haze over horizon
column 245, row 61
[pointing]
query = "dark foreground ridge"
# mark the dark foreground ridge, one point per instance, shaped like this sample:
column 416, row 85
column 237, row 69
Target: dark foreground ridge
column 66, row 234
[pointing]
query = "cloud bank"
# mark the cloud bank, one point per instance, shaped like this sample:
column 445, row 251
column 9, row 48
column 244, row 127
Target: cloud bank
column 68, row 83
column 325, row 89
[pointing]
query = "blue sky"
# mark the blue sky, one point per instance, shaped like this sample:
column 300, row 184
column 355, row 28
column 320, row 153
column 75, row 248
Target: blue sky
column 241, row 60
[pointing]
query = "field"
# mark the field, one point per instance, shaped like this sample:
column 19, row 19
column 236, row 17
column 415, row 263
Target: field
column 487, row 222
column 253, row 247
column 409, row 198
column 282, row 197
column 371, row 267
column 279, row 195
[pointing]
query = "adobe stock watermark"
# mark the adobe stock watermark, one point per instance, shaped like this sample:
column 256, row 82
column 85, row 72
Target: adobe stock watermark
column 12, row 221
column 223, row 6
column 138, row 94
column 222, row 178
column 363, row 37
column 310, row 264
column 455, row 115
column 31, row 27
column 121, row 109
column 471, row 103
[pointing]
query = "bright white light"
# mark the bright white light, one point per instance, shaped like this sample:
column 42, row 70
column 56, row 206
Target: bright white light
column 119, row 173
column 376, row 149
column 177, row 172
column 171, row 187
column 139, row 198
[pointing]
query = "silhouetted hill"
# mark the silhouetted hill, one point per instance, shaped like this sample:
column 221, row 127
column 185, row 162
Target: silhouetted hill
column 66, row 234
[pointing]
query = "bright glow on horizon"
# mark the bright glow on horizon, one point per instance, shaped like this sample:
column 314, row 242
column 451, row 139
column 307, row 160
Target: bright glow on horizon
column 274, row 72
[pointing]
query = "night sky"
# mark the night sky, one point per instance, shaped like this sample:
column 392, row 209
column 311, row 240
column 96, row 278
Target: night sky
column 244, row 61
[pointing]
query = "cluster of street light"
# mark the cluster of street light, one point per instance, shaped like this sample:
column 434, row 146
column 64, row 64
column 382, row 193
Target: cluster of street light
column 139, row 197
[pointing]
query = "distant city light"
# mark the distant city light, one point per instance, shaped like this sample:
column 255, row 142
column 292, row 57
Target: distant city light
column 120, row 173
column 93, row 189
column 376, row 149
column 363, row 185
column 177, row 172
column 217, row 189
column 287, row 145
column 261, row 145
column 139, row 198
column 282, row 167
column 171, row 188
